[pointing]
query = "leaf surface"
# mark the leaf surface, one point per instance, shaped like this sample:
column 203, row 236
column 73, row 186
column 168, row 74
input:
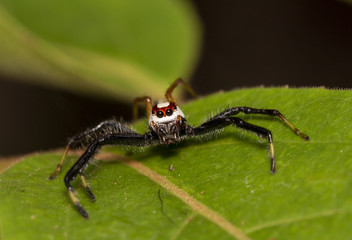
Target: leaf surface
column 219, row 184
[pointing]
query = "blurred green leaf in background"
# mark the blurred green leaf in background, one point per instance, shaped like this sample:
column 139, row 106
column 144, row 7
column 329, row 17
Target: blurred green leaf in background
column 110, row 48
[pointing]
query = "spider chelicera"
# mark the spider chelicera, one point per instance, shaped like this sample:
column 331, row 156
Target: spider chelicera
column 167, row 125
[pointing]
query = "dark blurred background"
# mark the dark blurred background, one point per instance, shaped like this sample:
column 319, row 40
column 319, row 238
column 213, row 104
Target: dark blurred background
column 245, row 43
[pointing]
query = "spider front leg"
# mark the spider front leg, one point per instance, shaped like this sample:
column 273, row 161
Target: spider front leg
column 225, row 118
column 87, row 137
column 78, row 168
column 132, row 139
column 86, row 186
column 270, row 112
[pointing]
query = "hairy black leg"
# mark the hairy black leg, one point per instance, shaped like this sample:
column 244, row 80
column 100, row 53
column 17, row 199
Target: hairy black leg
column 270, row 112
column 261, row 132
column 82, row 163
column 78, row 167
column 87, row 137
column 220, row 122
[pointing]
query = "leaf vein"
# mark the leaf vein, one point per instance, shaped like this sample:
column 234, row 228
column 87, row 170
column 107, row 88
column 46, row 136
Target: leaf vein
column 197, row 206
column 284, row 221
column 183, row 226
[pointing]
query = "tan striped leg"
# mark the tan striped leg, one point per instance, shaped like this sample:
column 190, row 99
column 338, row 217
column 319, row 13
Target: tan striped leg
column 59, row 166
column 86, row 186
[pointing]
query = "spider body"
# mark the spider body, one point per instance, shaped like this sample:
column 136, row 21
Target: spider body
column 167, row 125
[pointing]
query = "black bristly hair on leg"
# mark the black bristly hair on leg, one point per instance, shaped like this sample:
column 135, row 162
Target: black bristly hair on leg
column 269, row 112
column 85, row 138
column 134, row 139
column 225, row 118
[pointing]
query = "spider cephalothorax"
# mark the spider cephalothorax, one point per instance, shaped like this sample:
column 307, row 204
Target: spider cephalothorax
column 167, row 120
column 167, row 125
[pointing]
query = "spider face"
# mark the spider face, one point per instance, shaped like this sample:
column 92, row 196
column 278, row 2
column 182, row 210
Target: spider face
column 165, row 120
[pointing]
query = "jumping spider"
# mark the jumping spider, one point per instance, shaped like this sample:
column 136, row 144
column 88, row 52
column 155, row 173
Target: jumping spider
column 167, row 125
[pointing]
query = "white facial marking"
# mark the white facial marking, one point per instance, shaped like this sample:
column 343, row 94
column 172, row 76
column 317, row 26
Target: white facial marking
column 161, row 105
column 166, row 119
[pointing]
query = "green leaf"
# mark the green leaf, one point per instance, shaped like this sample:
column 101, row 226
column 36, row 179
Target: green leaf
column 221, row 187
column 111, row 48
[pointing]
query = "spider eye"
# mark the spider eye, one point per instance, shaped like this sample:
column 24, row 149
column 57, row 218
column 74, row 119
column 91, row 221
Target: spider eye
column 160, row 114
column 169, row 112
column 175, row 107
column 153, row 112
